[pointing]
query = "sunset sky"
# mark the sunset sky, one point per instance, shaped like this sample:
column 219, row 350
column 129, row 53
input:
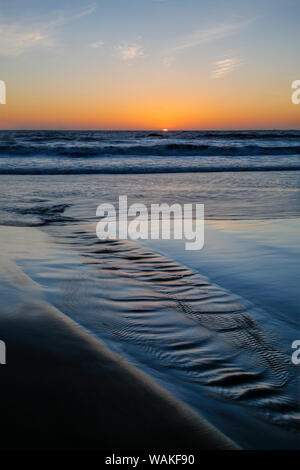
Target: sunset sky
column 149, row 64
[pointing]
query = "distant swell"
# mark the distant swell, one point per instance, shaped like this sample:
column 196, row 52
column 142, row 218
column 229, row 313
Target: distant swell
column 163, row 150
column 138, row 152
column 144, row 170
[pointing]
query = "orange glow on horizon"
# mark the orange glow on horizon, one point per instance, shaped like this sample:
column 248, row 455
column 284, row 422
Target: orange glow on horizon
column 57, row 109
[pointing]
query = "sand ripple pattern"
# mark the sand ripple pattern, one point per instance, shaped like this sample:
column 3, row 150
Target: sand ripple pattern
column 182, row 323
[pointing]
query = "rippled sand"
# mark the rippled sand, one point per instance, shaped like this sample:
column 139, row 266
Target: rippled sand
column 61, row 388
column 211, row 349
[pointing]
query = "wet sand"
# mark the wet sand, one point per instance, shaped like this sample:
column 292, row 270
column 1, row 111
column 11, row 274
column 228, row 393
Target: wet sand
column 62, row 389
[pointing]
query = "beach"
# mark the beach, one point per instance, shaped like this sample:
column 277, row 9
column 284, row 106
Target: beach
column 141, row 344
column 149, row 229
column 63, row 390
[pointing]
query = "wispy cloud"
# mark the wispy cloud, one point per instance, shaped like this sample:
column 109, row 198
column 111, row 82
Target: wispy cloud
column 20, row 37
column 204, row 36
column 130, row 51
column 88, row 10
column 225, row 66
column 201, row 37
column 16, row 38
column 97, row 44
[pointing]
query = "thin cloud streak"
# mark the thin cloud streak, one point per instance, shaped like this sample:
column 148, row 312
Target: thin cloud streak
column 86, row 11
column 17, row 38
column 224, row 67
column 205, row 36
column 201, row 37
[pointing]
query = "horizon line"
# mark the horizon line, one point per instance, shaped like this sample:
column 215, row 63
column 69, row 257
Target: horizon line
column 150, row 130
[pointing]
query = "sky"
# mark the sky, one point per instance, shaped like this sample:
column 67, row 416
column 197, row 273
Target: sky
column 149, row 64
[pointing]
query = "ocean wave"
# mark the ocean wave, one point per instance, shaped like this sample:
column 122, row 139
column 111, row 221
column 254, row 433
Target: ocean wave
column 84, row 134
column 167, row 149
column 138, row 152
column 128, row 170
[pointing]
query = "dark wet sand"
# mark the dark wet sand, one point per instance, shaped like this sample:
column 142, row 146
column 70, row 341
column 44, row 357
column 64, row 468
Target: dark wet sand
column 61, row 389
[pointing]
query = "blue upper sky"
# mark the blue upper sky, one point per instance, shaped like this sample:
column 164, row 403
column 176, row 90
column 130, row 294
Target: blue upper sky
column 175, row 54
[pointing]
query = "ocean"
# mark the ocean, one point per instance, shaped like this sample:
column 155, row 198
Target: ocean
column 116, row 152
column 214, row 327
